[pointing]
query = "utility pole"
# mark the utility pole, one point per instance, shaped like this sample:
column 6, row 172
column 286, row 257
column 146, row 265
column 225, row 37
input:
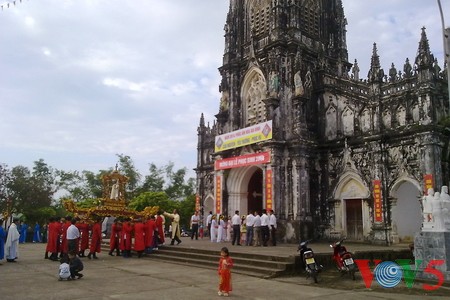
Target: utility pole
column 446, row 42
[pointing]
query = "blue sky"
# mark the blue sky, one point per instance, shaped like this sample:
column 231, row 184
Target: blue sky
column 83, row 80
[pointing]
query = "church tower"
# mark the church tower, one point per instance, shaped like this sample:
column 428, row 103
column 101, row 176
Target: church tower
column 299, row 132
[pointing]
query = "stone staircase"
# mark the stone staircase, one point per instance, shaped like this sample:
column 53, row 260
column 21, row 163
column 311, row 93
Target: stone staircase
column 256, row 265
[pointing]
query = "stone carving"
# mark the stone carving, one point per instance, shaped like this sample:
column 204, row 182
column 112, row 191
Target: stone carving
column 355, row 71
column 427, row 208
column 445, row 197
column 436, row 208
column 274, row 84
column 299, row 90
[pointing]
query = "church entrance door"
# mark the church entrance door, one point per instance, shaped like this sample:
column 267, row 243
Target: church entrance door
column 354, row 219
column 255, row 192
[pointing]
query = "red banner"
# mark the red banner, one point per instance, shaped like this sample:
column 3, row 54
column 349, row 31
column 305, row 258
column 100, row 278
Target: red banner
column 429, row 182
column 242, row 161
column 269, row 200
column 377, row 202
column 218, row 194
column 197, row 202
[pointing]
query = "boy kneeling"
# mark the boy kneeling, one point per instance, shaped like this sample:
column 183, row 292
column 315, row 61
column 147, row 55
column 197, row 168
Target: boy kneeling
column 76, row 266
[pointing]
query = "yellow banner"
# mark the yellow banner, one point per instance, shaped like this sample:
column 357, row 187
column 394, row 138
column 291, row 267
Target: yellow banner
column 242, row 137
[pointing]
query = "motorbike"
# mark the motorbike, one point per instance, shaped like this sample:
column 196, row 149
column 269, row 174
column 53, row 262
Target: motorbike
column 312, row 268
column 343, row 259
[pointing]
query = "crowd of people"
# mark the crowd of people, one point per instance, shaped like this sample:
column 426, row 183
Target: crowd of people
column 73, row 235
column 253, row 229
column 70, row 238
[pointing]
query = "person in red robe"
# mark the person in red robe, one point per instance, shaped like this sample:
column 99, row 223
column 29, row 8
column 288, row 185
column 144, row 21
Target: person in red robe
column 160, row 227
column 52, row 239
column 125, row 240
column 225, row 265
column 84, row 240
column 64, row 247
column 139, row 237
column 150, row 228
column 96, row 239
column 114, row 240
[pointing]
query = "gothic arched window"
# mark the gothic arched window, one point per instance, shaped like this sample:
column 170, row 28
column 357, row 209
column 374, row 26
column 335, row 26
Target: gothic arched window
column 348, row 122
column 365, row 121
column 331, row 124
column 401, row 116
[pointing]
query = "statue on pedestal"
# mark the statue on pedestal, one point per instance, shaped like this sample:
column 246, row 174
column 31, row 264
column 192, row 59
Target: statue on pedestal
column 445, row 197
column 436, row 210
column 114, row 191
column 427, row 209
column 438, row 219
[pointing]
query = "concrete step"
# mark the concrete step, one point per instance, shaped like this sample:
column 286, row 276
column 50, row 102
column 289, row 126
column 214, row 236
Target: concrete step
column 260, row 271
column 256, row 265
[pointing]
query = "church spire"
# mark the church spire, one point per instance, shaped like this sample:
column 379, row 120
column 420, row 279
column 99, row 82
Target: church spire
column 424, row 59
column 375, row 73
column 202, row 120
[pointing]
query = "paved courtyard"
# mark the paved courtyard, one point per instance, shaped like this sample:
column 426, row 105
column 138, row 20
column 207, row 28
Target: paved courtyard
column 32, row 277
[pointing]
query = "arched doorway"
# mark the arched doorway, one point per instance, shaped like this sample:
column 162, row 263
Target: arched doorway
column 245, row 189
column 208, row 205
column 352, row 211
column 406, row 212
column 255, row 192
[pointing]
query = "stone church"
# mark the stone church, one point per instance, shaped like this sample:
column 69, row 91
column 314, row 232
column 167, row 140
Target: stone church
column 299, row 130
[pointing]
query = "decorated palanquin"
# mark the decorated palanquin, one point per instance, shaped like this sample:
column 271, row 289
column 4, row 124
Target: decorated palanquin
column 113, row 202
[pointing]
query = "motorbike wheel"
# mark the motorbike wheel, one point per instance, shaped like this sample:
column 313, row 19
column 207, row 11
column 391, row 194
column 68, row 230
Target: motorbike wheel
column 352, row 271
column 314, row 276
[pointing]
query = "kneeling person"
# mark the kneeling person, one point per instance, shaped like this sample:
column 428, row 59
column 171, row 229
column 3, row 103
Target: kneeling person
column 76, row 266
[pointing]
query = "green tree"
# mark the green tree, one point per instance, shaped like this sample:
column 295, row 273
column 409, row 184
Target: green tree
column 43, row 184
column 186, row 210
column 72, row 183
column 93, row 184
column 20, row 189
column 176, row 188
column 153, row 199
column 154, row 182
column 127, row 168
column 5, row 181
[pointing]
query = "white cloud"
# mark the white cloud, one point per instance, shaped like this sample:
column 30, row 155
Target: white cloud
column 83, row 80
column 124, row 84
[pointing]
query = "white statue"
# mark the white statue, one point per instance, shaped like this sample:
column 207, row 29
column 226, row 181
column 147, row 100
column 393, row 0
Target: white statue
column 299, row 90
column 445, row 198
column 114, row 191
column 438, row 219
column 426, row 203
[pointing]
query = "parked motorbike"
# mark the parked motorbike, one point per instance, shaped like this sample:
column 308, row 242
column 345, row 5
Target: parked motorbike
column 343, row 259
column 312, row 268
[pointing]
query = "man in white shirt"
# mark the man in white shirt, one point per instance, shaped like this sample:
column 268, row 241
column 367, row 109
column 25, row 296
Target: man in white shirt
column 273, row 227
column 249, row 222
column 236, row 222
column 72, row 235
column 257, row 229
column 265, row 234
column 208, row 222
column 195, row 220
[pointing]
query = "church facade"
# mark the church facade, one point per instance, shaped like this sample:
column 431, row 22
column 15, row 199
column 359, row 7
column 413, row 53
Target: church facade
column 301, row 132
